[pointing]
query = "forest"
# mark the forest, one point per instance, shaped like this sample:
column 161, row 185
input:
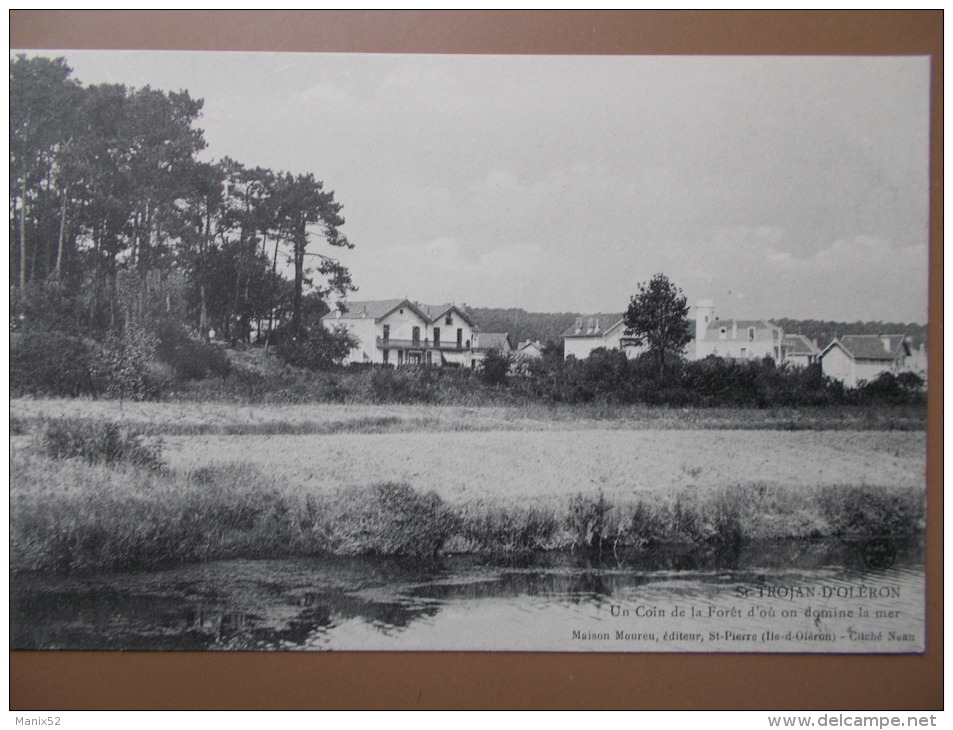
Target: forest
column 118, row 226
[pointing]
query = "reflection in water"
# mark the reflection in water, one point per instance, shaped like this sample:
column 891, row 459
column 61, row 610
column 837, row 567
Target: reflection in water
column 459, row 602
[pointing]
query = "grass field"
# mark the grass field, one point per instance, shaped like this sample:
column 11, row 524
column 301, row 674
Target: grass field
column 193, row 418
column 512, row 466
column 240, row 480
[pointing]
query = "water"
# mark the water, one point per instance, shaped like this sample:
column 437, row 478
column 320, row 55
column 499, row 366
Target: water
column 793, row 596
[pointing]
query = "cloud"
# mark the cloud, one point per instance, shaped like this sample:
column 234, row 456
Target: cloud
column 799, row 182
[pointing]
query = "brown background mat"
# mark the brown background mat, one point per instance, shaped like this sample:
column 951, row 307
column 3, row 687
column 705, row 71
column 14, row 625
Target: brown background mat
column 156, row 681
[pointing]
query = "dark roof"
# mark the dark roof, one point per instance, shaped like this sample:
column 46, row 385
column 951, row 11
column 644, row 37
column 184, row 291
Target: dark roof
column 873, row 347
column 378, row 308
column 494, row 340
column 370, row 309
column 799, row 345
column 585, row 326
column 436, row 311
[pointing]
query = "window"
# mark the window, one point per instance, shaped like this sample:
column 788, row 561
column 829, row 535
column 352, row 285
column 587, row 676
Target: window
column 459, row 337
column 386, row 332
column 416, row 335
column 751, row 333
column 723, row 333
column 386, row 356
column 744, row 352
column 436, row 337
column 400, row 357
column 449, row 319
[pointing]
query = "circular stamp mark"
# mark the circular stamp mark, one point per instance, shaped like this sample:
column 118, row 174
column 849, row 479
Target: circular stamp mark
column 879, row 553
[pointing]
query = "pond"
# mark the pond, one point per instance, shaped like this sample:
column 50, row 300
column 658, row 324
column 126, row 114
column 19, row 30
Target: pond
column 790, row 596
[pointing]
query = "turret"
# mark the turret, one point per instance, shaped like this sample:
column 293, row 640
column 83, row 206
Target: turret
column 704, row 314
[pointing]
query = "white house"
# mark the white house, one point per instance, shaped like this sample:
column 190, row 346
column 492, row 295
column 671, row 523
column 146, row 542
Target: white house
column 738, row 339
column 598, row 330
column 529, row 349
column 400, row 331
column 799, row 350
column 852, row 358
column 917, row 361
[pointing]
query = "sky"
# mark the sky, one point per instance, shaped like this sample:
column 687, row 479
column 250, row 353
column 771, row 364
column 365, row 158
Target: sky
column 776, row 186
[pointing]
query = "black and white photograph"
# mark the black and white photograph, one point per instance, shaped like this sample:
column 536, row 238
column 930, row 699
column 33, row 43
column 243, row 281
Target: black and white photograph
column 403, row 352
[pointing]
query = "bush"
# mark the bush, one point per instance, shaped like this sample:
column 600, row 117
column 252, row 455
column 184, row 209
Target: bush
column 51, row 363
column 606, row 375
column 122, row 368
column 314, row 348
column 862, row 511
column 45, row 306
column 97, row 442
column 494, row 368
column 902, row 389
column 189, row 359
column 385, row 519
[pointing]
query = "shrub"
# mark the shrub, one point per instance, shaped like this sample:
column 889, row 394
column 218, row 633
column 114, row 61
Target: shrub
column 385, row 519
column 495, row 367
column 863, row 511
column 97, row 442
column 122, row 367
column 905, row 388
column 606, row 375
column 45, row 306
column 51, row 363
column 312, row 348
column 189, row 359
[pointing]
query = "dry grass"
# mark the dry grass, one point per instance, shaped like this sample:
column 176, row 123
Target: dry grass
column 198, row 418
column 513, row 466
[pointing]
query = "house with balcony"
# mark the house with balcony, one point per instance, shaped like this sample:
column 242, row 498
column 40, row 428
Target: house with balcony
column 405, row 332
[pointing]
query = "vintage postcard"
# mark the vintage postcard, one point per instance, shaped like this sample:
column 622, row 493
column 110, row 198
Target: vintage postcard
column 512, row 353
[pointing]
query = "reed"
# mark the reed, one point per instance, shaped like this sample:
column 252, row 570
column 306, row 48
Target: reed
column 80, row 515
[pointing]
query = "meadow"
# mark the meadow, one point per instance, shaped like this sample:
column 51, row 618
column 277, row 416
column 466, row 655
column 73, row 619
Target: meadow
column 106, row 485
column 187, row 417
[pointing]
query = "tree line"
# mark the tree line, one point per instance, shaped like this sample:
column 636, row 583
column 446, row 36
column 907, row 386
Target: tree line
column 115, row 220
